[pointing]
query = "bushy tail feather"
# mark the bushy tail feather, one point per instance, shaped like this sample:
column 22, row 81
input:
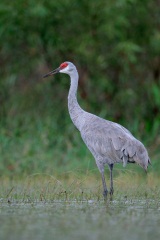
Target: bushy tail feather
column 149, row 163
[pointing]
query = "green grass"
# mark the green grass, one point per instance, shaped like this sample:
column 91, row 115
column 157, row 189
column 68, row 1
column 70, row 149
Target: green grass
column 78, row 187
column 42, row 156
column 43, row 163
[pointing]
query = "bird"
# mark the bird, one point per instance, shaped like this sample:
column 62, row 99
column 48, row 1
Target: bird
column 108, row 142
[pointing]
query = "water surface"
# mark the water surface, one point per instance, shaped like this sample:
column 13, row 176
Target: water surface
column 80, row 220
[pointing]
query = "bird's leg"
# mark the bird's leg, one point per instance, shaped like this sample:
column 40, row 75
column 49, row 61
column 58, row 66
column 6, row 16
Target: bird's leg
column 111, row 179
column 105, row 191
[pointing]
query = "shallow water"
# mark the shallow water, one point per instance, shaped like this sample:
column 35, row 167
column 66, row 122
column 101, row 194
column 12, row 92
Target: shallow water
column 60, row 220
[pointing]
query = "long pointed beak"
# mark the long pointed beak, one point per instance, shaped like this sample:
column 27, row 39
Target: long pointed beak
column 52, row 73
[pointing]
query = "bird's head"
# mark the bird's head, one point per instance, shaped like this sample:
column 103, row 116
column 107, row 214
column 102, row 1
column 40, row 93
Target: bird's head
column 65, row 67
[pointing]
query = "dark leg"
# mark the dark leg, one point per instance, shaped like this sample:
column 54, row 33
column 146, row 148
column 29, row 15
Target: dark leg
column 105, row 191
column 111, row 179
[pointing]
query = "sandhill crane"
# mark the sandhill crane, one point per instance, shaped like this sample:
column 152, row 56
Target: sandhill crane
column 108, row 141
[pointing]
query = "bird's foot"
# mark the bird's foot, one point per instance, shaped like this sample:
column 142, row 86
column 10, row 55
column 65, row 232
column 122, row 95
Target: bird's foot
column 111, row 194
column 111, row 191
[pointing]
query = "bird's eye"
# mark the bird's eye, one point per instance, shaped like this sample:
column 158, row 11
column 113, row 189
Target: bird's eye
column 63, row 65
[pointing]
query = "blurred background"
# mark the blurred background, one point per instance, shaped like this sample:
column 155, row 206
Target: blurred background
column 115, row 45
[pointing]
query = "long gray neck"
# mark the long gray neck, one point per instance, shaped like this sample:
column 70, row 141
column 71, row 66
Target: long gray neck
column 75, row 111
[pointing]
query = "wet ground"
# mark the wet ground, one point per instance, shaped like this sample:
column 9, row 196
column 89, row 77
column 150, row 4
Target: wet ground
column 60, row 220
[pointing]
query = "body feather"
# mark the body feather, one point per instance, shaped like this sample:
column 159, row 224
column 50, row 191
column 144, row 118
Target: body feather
column 111, row 143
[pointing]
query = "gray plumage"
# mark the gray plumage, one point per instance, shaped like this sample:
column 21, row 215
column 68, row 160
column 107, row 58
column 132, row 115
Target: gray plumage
column 108, row 142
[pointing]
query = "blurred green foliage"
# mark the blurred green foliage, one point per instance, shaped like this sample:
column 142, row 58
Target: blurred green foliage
column 115, row 45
